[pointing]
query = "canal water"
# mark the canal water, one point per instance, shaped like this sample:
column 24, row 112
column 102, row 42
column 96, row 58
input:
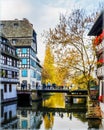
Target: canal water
column 53, row 113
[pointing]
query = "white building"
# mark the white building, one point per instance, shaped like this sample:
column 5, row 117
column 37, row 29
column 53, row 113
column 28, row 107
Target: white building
column 9, row 71
column 98, row 31
column 23, row 37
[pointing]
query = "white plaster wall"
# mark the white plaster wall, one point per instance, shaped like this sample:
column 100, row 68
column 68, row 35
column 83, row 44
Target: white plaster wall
column 11, row 94
column 1, row 86
column 29, row 79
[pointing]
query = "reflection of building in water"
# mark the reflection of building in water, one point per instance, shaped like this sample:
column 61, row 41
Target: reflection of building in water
column 48, row 120
column 8, row 117
column 29, row 119
column 69, row 115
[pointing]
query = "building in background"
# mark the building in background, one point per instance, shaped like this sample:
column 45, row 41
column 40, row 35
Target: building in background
column 98, row 31
column 22, row 36
column 9, row 71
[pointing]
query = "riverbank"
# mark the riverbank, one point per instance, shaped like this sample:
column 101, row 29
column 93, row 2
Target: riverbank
column 94, row 111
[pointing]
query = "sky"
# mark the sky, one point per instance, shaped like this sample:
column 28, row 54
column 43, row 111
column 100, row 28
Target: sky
column 43, row 14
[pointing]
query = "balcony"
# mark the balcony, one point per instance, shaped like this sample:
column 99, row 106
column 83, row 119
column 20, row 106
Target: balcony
column 3, row 79
column 100, row 47
column 100, row 71
column 3, row 66
column 98, row 39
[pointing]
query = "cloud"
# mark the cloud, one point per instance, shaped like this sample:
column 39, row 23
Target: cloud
column 43, row 14
column 11, row 9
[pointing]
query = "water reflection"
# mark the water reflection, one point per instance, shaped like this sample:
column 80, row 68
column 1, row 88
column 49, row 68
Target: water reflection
column 8, row 116
column 53, row 113
column 48, row 119
column 94, row 124
column 55, row 101
column 29, row 119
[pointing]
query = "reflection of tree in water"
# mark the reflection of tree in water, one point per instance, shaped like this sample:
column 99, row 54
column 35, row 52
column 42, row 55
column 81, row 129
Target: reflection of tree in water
column 48, row 119
column 80, row 116
column 55, row 101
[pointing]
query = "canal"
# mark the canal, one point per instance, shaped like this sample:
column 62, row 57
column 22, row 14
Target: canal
column 53, row 113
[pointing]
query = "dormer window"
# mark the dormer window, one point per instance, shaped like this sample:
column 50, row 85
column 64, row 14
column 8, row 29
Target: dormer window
column 14, row 41
column 4, row 41
column 16, row 24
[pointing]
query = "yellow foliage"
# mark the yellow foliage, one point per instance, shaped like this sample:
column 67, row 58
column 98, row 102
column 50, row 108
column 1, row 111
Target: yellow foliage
column 54, row 103
column 48, row 73
column 81, row 81
column 48, row 120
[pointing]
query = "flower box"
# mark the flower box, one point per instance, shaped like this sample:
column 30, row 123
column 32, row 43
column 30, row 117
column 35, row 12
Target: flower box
column 98, row 39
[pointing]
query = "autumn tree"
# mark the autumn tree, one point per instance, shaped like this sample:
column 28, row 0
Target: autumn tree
column 48, row 71
column 72, row 47
column 61, row 75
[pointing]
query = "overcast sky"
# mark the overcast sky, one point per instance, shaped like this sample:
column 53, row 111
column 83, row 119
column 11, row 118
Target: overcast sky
column 43, row 14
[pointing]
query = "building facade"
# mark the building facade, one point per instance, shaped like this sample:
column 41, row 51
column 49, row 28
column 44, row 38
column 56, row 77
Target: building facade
column 9, row 71
column 22, row 36
column 98, row 32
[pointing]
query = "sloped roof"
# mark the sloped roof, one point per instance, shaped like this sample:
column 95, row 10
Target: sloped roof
column 8, row 42
column 98, row 25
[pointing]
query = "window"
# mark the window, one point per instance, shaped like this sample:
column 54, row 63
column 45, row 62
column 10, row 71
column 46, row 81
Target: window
column 16, row 24
column 16, row 75
column 5, row 87
column 24, row 50
column 13, row 74
column 38, row 77
column 24, row 73
column 10, row 88
column 24, row 124
column 33, row 63
column 24, row 113
column 17, row 50
column 24, row 61
column 5, row 60
column 4, row 41
column 9, row 74
column 33, row 74
column 5, row 116
column 6, row 73
column 14, row 41
column 10, row 114
column 13, row 62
